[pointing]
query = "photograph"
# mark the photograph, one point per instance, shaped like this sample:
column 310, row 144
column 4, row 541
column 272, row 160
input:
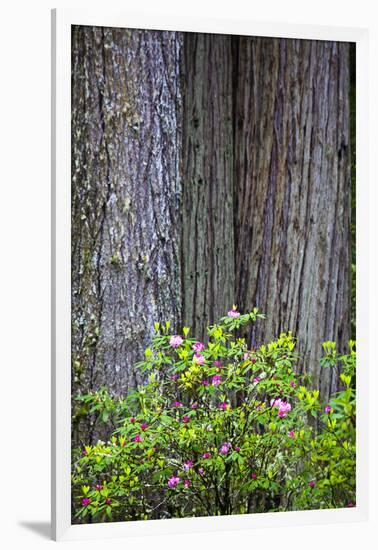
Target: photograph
column 213, row 274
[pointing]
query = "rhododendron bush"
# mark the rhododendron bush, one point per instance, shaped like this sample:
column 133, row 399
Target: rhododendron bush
column 219, row 429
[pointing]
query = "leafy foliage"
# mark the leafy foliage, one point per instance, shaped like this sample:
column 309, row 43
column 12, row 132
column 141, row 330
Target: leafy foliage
column 219, row 429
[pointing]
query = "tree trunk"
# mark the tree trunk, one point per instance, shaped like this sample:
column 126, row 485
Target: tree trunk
column 207, row 178
column 292, row 181
column 126, row 143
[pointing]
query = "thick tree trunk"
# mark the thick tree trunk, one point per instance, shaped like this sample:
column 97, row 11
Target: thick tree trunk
column 292, row 179
column 126, row 143
column 207, row 176
column 263, row 217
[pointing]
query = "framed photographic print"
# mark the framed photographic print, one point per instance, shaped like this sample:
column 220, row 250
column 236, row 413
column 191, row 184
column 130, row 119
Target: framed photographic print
column 209, row 274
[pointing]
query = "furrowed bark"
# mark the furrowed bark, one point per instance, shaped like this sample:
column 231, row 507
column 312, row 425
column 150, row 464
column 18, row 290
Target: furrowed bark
column 126, row 143
column 207, row 174
column 292, row 183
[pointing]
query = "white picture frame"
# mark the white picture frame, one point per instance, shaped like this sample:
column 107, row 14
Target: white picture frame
column 61, row 270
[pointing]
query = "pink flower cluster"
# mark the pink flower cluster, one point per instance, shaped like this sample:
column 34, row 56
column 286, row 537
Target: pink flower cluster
column 198, row 346
column 283, row 407
column 216, row 380
column 188, row 465
column 225, row 448
column 233, row 313
column 223, row 406
column 173, row 481
column 175, row 341
column 199, row 359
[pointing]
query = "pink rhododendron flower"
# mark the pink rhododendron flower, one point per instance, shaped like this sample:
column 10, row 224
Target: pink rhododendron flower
column 223, row 406
column 311, row 484
column 137, row 438
column 283, row 407
column 291, row 433
column 233, row 312
column 143, row 427
column 132, row 420
column 253, row 475
column 256, row 380
column 108, row 501
column 237, row 449
column 246, row 356
column 177, row 404
column 205, row 382
column 282, row 412
column 351, row 504
column 99, row 487
column 199, row 359
column 175, row 341
column 188, row 465
column 85, row 452
column 198, row 346
column 173, row 481
column 85, row 501
column 216, row 380
column 253, row 359
column 185, row 419
column 187, row 482
column 293, row 384
column 217, row 363
column 201, row 471
column 195, row 405
column 327, row 409
column 206, row 455
column 174, row 377
column 225, row 448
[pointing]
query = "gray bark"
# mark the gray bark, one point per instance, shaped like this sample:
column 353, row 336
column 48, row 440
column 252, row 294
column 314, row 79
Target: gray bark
column 292, row 180
column 207, row 175
column 126, row 143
